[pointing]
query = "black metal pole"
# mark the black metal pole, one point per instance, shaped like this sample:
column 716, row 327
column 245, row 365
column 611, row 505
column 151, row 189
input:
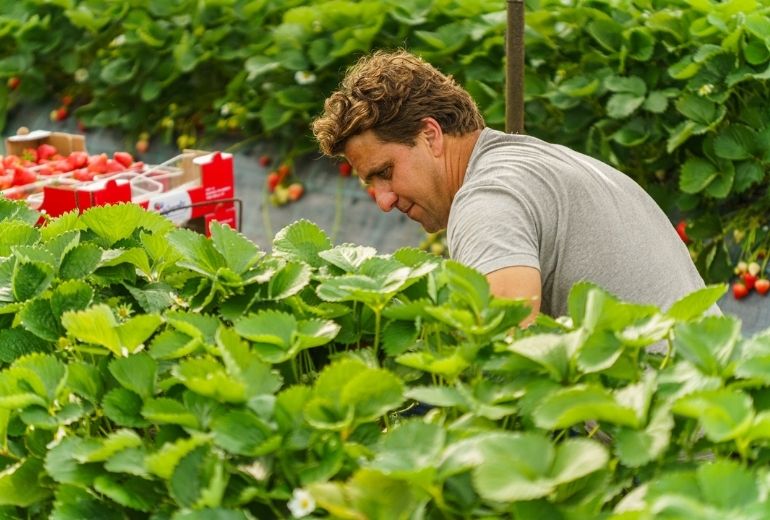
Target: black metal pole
column 514, row 77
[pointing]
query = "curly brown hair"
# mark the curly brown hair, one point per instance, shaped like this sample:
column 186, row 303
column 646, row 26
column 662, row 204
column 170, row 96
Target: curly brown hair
column 390, row 92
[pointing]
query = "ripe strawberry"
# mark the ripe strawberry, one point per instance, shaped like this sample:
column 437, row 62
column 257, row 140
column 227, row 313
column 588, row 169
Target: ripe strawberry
column 22, row 176
column 681, row 230
column 283, row 171
column 345, row 169
column 265, row 160
column 45, row 151
column 273, row 180
column 60, row 114
column 77, row 159
column 123, row 158
column 83, row 175
column 66, row 100
column 98, row 163
column 740, row 290
column 6, row 179
column 114, row 166
column 749, row 280
column 13, row 82
column 296, row 190
column 762, row 286
column 45, row 169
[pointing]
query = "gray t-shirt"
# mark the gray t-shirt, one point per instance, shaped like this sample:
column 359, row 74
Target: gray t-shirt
column 525, row 202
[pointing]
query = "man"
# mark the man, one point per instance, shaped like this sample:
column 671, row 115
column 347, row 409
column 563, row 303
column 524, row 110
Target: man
column 533, row 217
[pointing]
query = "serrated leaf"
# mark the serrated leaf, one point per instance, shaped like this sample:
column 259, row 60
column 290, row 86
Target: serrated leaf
column 85, row 380
column 136, row 330
column 243, row 433
column 444, row 396
column 15, row 233
column 238, row 251
column 153, row 297
column 108, row 446
column 169, row 411
column 735, row 142
column 413, row 447
column 399, row 336
column 118, row 221
column 207, row 377
column 134, row 256
column 136, row 372
column 172, row 344
column 17, row 210
column 348, row 257
column 696, row 303
column 697, row 173
column 163, row 461
column 132, row 492
column 17, row 342
column 708, row 343
column 581, row 403
column 198, row 252
column 96, row 325
column 80, row 261
column 302, row 241
column 288, row 281
column 29, row 279
column 724, row 414
column 62, row 465
column 20, row 484
column 37, row 317
column 124, row 408
column 48, row 372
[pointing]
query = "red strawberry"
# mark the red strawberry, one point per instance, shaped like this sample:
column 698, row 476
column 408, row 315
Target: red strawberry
column 296, row 190
column 749, row 280
column 22, row 175
column 82, row 174
column 283, row 171
column 265, row 160
column 762, row 286
column 29, row 154
column 114, row 166
column 45, row 169
column 60, row 114
column 77, row 159
column 13, row 82
column 66, row 100
column 123, row 158
column 98, row 163
column 273, row 180
column 45, row 151
column 681, row 230
column 740, row 290
column 345, row 169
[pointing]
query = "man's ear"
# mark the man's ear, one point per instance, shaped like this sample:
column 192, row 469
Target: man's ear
column 433, row 133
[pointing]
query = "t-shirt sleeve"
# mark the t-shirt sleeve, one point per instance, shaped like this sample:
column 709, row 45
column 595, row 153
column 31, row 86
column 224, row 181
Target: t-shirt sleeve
column 492, row 227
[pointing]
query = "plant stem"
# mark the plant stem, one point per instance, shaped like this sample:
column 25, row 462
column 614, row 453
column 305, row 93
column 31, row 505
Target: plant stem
column 338, row 207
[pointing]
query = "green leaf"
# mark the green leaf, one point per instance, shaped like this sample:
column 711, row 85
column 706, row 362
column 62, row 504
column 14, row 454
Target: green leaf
column 580, row 403
column 163, row 462
column 444, row 396
column 288, row 281
column 748, row 174
column 243, row 433
column 169, row 411
column 399, row 336
column 696, row 303
column 85, row 380
column 20, row 484
column 449, row 365
column 80, row 261
column 96, row 325
column 75, row 503
column 517, row 467
column 172, row 344
column 16, row 233
column 724, row 414
column 239, row 252
column 551, row 351
column 698, row 109
column 207, row 377
column 708, row 343
column 697, row 174
column 136, row 372
column 118, row 71
column 72, row 295
column 136, row 330
column 132, row 492
column 728, row 485
column 29, row 279
column 124, row 408
column 198, row 252
column 62, row 464
column 43, row 373
column 301, row 241
column 118, row 221
column 735, row 142
column 348, row 257
column 411, row 448
column 17, row 342
column 108, row 446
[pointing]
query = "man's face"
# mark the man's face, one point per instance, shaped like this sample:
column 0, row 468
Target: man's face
column 408, row 178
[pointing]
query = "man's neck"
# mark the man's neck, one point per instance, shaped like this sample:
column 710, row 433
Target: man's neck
column 458, row 153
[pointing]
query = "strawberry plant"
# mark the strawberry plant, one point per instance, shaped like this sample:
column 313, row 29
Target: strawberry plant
column 147, row 371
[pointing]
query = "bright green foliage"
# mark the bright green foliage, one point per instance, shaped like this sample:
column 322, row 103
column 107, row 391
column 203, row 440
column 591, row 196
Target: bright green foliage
column 225, row 383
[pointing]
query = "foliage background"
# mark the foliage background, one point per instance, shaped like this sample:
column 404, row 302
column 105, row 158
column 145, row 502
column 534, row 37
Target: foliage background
column 671, row 92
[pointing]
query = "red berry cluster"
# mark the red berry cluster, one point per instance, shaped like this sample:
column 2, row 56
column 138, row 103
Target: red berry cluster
column 280, row 184
column 750, row 276
column 45, row 161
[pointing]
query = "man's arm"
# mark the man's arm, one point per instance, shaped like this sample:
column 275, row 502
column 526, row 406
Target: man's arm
column 518, row 282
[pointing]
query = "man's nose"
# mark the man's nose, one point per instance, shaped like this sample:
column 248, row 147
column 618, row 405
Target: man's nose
column 385, row 198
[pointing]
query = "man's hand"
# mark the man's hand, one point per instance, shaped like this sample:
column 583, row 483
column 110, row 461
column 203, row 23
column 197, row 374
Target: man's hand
column 518, row 282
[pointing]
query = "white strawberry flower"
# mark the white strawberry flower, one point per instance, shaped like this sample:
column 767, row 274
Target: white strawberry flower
column 301, row 504
column 81, row 75
column 303, row 77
